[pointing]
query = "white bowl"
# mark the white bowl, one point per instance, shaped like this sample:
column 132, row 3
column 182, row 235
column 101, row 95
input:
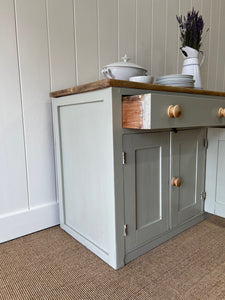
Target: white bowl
column 143, row 79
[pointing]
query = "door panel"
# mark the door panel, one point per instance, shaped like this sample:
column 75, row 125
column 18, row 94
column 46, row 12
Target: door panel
column 147, row 183
column 187, row 163
column 146, row 187
column 215, row 175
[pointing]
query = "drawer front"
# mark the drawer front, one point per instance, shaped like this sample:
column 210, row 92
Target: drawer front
column 150, row 111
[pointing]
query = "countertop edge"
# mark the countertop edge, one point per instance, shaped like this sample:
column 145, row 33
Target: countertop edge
column 101, row 84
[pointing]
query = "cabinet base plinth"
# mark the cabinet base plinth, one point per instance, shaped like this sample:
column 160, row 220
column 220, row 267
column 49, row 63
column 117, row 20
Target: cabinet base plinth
column 163, row 238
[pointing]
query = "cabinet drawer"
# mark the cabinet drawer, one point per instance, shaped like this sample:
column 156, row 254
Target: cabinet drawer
column 150, row 111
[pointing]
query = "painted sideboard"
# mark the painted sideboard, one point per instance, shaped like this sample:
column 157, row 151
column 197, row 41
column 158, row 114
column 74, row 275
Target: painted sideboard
column 136, row 164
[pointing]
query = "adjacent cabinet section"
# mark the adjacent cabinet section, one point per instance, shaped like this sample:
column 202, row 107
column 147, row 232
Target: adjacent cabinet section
column 163, row 182
column 124, row 191
column 215, row 172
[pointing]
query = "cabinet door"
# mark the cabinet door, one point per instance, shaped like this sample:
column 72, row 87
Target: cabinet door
column 187, row 163
column 146, row 190
column 215, row 172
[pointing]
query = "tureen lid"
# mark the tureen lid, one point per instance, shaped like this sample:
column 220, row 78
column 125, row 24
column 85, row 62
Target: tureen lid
column 125, row 63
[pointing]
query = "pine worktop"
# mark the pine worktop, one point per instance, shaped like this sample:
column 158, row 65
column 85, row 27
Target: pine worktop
column 101, row 84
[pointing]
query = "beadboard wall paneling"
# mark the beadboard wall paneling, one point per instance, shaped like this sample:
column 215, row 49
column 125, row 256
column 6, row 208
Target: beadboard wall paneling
column 172, row 42
column 184, row 7
column 86, row 33
column 127, row 35
column 144, row 33
column 107, row 33
column 53, row 44
column 35, row 84
column 205, row 8
column 197, row 4
column 61, row 43
column 213, row 40
column 13, row 183
column 220, row 63
column 158, row 37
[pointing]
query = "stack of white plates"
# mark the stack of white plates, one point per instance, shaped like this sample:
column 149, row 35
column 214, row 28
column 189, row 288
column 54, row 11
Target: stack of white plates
column 176, row 80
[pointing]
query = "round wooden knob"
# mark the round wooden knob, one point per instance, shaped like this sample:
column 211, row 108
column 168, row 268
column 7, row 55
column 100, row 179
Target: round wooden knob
column 221, row 112
column 176, row 181
column 174, row 111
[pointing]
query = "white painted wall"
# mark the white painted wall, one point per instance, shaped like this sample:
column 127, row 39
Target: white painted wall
column 54, row 44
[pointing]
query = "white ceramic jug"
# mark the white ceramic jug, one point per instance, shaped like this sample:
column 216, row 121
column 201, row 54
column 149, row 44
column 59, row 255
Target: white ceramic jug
column 191, row 64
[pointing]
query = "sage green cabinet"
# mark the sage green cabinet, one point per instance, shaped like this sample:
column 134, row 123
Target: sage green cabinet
column 187, row 163
column 120, row 211
column 146, row 175
column 152, row 205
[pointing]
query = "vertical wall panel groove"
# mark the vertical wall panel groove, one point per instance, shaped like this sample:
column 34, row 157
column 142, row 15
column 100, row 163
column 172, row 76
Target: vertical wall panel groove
column 61, row 43
column 152, row 36
column 118, row 28
column 22, row 108
column 210, row 34
column 75, row 41
column 49, row 44
column 158, row 35
column 98, row 43
column 166, row 36
column 34, row 66
column 178, row 41
column 108, row 33
column 196, row 4
column 136, row 33
column 172, row 39
column 218, row 66
column 220, row 75
column 13, row 183
column 184, row 7
column 213, row 45
column 224, row 80
column 86, row 40
column 205, row 10
column 144, row 11
column 127, row 25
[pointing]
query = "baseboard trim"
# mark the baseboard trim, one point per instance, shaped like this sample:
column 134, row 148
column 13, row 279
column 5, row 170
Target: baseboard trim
column 29, row 221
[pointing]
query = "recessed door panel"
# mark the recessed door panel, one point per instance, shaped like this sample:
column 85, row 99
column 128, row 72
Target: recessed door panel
column 215, row 174
column 146, row 175
column 188, row 151
column 220, row 188
column 187, row 164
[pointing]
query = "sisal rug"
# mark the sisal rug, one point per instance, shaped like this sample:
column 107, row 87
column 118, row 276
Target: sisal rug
column 52, row 265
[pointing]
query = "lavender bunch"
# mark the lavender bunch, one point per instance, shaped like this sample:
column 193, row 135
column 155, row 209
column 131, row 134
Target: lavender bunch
column 191, row 29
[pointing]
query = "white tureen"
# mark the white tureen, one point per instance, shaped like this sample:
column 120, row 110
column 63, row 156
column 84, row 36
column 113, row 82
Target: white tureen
column 123, row 70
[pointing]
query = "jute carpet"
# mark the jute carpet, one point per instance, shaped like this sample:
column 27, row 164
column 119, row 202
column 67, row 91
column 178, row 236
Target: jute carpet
column 52, row 265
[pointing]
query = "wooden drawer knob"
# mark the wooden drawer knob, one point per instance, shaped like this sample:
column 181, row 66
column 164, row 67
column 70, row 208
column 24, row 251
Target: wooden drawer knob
column 174, row 111
column 176, row 181
column 221, row 112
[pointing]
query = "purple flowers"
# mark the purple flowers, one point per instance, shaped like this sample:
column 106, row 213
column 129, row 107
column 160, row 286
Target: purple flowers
column 191, row 29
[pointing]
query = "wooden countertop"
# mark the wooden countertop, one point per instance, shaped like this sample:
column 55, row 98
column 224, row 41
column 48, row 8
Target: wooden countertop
column 101, row 84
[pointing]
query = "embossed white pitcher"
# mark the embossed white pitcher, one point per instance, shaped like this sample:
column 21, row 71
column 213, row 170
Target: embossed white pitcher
column 191, row 64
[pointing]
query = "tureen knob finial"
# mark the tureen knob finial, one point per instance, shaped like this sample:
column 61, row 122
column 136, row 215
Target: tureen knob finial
column 125, row 58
